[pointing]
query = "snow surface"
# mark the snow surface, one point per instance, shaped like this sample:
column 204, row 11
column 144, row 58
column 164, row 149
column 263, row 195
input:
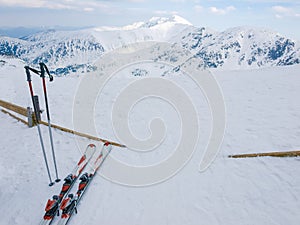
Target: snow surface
column 263, row 114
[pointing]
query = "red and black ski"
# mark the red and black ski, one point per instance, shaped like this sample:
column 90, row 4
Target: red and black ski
column 52, row 207
column 69, row 206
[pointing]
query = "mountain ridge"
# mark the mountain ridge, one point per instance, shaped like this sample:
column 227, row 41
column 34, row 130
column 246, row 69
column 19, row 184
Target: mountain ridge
column 234, row 48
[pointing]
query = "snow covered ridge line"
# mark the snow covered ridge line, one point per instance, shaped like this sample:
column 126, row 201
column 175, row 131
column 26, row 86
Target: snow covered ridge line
column 65, row 53
column 75, row 51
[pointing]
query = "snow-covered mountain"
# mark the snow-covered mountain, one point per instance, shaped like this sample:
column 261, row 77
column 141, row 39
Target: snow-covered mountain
column 241, row 47
column 66, row 51
column 75, row 51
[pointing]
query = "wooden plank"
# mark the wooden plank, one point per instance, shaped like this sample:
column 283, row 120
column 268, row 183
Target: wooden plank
column 15, row 117
column 23, row 111
column 271, row 154
column 82, row 134
column 15, row 108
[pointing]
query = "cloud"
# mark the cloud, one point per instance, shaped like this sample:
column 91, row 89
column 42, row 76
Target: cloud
column 165, row 12
column 272, row 1
column 281, row 12
column 198, row 8
column 220, row 11
column 281, row 9
column 55, row 4
column 136, row 1
column 178, row 1
column 88, row 9
column 33, row 4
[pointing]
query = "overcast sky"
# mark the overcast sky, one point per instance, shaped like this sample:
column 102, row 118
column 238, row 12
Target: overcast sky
column 282, row 16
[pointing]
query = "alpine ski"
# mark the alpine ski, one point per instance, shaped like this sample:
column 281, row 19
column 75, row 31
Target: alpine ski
column 69, row 205
column 52, row 206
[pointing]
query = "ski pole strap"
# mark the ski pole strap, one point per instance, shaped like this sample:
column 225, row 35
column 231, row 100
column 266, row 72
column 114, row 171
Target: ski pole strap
column 40, row 73
column 28, row 73
column 33, row 70
column 43, row 69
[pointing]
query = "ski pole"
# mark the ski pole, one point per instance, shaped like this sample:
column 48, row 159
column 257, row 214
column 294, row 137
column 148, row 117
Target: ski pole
column 43, row 67
column 27, row 68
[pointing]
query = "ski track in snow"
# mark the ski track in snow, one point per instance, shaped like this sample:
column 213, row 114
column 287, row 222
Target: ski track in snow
column 263, row 114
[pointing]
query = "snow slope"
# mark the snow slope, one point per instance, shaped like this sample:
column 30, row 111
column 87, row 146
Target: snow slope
column 263, row 115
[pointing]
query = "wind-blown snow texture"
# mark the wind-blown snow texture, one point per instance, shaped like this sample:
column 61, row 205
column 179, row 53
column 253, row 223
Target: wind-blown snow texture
column 75, row 51
column 263, row 114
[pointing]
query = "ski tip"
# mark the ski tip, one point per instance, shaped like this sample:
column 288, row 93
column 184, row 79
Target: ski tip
column 57, row 180
column 92, row 145
column 51, row 184
column 106, row 143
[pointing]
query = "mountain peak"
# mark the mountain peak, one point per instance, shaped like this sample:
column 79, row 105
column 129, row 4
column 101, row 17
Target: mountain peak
column 157, row 21
column 152, row 22
column 179, row 19
column 174, row 19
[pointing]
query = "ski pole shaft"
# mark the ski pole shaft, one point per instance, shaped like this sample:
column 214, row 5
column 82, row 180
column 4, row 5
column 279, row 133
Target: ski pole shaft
column 53, row 153
column 38, row 125
column 44, row 153
column 46, row 98
column 42, row 67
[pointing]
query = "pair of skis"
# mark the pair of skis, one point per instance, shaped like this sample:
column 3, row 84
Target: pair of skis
column 69, row 182
column 43, row 69
column 83, row 185
column 95, row 161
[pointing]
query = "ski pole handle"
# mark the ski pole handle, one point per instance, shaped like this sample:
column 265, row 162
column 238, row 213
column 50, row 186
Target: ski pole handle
column 28, row 73
column 43, row 68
